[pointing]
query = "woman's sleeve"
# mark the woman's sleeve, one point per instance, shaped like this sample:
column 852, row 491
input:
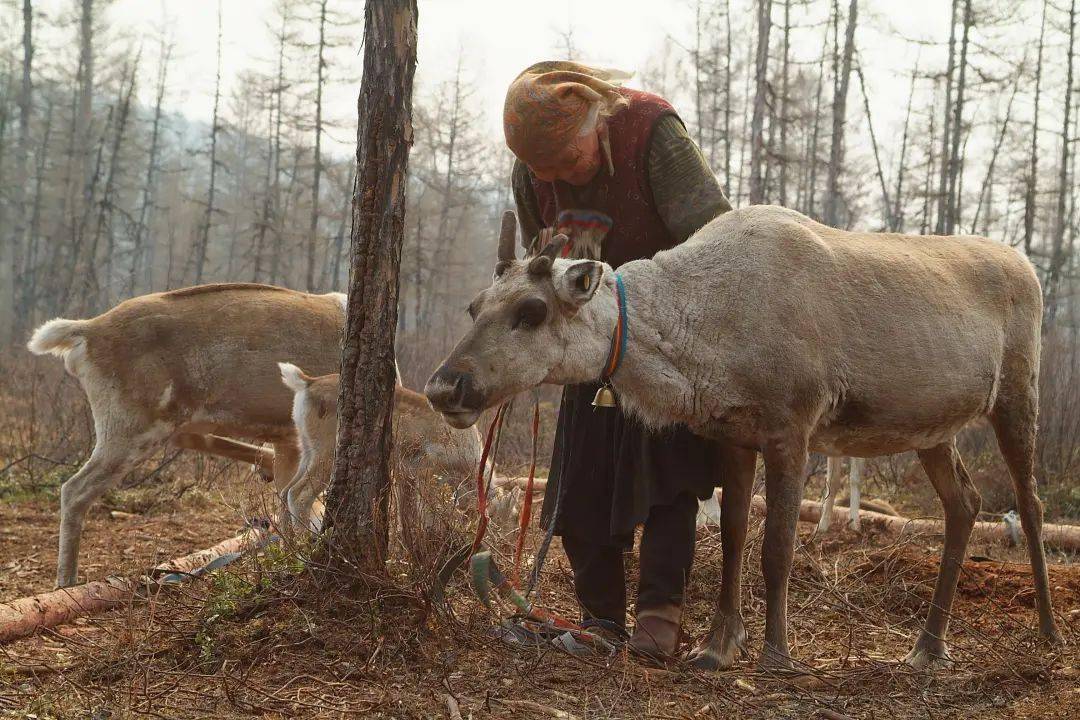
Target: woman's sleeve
column 685, row 190
column 528, row 209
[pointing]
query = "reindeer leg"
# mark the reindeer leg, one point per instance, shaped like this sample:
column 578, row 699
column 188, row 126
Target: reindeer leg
column 857, row 465
column 727, row 636
column 785, row 468
column 962, row 503
column 828, row 494
column 1013, row 419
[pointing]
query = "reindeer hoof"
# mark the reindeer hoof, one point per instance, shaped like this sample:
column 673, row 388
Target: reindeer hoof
column 928, row 657
column 773, row 659
column 705, row 658
column 719, row 654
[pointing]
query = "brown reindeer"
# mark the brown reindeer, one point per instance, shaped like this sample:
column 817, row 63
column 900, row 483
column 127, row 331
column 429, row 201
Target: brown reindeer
column 183, row 367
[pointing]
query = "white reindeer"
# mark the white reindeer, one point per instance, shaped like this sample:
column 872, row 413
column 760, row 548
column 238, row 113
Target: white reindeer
column 775, row 334
column 424, row 447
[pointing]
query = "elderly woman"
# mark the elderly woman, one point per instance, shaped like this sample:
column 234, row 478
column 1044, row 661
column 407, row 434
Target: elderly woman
column 583, row 142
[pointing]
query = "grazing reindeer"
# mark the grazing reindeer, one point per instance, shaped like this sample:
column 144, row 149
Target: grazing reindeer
column 176, row 366
column 424, row 446
column 775, row 334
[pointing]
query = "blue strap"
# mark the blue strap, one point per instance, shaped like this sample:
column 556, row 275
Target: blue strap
column 622, row 321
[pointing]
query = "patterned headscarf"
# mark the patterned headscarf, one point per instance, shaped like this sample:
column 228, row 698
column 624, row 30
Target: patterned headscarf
column 549, row 102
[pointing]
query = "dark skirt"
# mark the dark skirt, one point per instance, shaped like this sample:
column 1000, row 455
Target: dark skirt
column 614, row 470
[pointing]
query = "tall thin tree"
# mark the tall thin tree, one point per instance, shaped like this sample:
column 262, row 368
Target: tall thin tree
column 839, row 117
column 357, row 502
column 761, row 88
column 317, row 170
column 211, row 190
column 1032, row 179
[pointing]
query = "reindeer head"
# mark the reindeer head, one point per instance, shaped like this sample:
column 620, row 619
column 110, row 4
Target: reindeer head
column 534, row 325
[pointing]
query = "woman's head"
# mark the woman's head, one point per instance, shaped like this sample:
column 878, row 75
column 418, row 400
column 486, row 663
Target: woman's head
column 555, row 115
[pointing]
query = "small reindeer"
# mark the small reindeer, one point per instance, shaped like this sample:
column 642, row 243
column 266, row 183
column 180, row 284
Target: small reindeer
column 424, row 446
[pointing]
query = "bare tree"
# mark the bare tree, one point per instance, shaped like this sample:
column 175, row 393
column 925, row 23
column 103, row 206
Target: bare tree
column 839, row 117
column 1032, row 179
column 1058, row 255
column 946, row 128
column 757, row 135
column 952, row 209
column 10, row 275
column 313, row 230
column 215, row 129
column 357, row 502
column 886, row 206
column 138, row 253
column 897, row 224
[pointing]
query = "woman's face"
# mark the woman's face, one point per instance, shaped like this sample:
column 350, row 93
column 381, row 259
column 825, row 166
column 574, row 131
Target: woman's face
column 577, row 164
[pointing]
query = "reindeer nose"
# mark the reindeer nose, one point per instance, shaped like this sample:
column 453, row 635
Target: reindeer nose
column 451, row 390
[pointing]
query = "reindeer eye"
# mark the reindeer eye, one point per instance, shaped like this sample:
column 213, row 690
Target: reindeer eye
column 530, row 314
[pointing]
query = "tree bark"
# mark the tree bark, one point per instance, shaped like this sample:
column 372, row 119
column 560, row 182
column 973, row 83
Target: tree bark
column 757, row 135
column 357, row 502
column 839, row 117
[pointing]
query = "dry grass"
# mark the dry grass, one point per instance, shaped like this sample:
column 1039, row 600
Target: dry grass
column 268, row 638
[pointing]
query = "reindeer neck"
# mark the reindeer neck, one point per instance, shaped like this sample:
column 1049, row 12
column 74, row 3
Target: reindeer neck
column 648, row 385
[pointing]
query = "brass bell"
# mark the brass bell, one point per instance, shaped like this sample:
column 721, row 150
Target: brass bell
column 605, row 397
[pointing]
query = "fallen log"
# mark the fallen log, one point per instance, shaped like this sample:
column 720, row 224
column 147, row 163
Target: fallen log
column 1061, row 537
column 23, row 617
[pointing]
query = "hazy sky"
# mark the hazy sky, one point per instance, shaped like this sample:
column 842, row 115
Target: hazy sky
column 500, row 37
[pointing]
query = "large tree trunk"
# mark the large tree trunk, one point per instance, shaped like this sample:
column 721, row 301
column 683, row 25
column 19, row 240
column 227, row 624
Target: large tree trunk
column 757, row 135
column 357, row 502
column 839, row 117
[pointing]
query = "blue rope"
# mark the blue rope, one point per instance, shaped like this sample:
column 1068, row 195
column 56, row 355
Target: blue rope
column 622, row 321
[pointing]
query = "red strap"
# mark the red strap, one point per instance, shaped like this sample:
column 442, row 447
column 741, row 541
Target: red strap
column 481, row 484
column 526, row 504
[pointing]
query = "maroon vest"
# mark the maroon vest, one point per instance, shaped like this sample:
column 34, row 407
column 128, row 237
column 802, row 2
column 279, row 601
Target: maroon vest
column 638, row 230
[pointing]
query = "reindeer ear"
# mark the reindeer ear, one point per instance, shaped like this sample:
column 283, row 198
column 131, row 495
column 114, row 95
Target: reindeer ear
column 577, row 284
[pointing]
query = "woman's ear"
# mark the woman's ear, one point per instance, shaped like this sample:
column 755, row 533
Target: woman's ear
column 577, row 284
